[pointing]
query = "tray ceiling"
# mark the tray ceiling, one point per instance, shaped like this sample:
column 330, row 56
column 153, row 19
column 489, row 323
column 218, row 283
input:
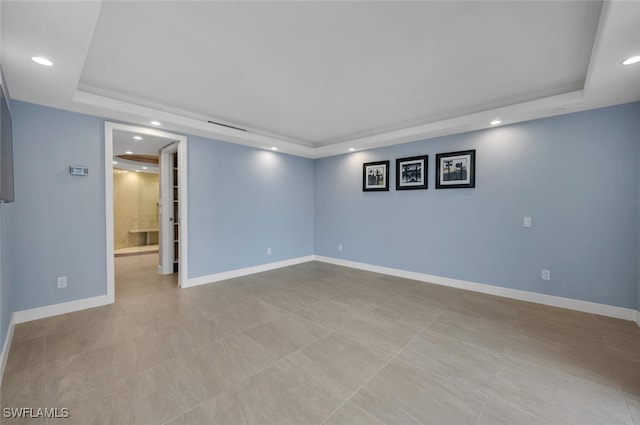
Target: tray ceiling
column 315, row 78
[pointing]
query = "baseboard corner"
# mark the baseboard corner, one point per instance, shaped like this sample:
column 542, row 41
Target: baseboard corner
column 217, row 277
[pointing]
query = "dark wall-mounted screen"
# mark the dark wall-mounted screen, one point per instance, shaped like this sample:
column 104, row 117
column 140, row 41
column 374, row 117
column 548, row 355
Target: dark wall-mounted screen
column 6, row 152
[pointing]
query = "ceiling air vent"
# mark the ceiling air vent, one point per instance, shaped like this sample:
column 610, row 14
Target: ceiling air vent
column 226, row 125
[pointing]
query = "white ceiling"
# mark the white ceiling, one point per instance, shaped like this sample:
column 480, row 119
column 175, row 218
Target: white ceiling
column 317, row 78
column 124, row 142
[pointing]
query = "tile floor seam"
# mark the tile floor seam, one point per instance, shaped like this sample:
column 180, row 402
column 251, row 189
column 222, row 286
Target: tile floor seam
column 495, row 376
column 371, row 378
column 297, row 316
column 551, row 370
column 626, row 402
column 610, row 362
column 403, row 322
column 428, row 328
column 616, row 373
column 241, row 381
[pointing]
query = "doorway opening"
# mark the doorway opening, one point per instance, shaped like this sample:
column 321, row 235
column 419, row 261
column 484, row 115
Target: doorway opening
column 145, row 187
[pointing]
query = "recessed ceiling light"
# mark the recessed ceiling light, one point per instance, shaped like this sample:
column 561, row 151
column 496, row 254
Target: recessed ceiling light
column 128, row 152
column 495, row 122
column 274, row 148
column 145, row 168
column 631, row 60
column 351, row 149
column 137, row 137
column 115, row 162
column 155, row 123
column 42, row 61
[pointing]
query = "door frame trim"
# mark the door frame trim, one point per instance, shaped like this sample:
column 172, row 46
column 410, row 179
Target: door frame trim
column 167, row 251
column 183, row 255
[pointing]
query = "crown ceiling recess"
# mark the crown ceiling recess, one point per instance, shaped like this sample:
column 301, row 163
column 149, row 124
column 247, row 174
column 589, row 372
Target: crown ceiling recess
column 322, row 78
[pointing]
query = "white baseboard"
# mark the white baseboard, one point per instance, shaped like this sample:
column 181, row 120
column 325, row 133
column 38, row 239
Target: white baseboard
column 202, row 280
column 551, row 300
column 4, row 355
column 62, row 308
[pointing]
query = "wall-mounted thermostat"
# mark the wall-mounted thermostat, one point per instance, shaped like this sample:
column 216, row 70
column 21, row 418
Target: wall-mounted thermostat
column 76, row 170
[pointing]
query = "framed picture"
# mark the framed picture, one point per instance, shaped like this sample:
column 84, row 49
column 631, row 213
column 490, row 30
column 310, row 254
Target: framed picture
column 411, row 173
column 375, row 176
column 456, row 170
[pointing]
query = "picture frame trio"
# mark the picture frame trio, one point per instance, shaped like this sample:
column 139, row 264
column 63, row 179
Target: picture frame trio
column 454, row 170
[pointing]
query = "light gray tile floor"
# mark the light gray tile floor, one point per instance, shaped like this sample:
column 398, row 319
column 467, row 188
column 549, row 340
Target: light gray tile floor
column 321, row 344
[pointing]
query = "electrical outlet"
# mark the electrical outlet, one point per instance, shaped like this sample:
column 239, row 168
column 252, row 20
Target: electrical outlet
column 546, row 274
column 268, row 251
column 62, row 282
column 340, row 247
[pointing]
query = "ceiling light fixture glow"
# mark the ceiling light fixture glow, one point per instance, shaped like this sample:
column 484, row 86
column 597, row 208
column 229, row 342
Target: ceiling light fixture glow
column 42, row 61
column 274, row 148
column 145, row 168
column 351, row 149
column 115, row 162
column 128, row 152
column 155, row 123
column 495, row 122
column 137, row 137
column 631, row 60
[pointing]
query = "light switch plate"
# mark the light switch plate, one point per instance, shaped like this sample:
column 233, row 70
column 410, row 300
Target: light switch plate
column 526, row 222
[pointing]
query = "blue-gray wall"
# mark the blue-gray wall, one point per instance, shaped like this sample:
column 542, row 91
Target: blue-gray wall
column 58, row 219
column 243, row 201
column 575, row 175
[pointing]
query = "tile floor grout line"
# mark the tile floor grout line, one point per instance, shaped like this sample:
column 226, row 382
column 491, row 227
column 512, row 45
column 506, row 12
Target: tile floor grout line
column 373, row 376
column 330, row 331
column 618, row 386
column 239, row 382
column 495, row 377
column 626, row 402
column 617, row 374
column 200, row 346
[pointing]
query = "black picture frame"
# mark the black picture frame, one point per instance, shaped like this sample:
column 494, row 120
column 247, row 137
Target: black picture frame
column 412, row 173
column 456, row 170
column 375, row 176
